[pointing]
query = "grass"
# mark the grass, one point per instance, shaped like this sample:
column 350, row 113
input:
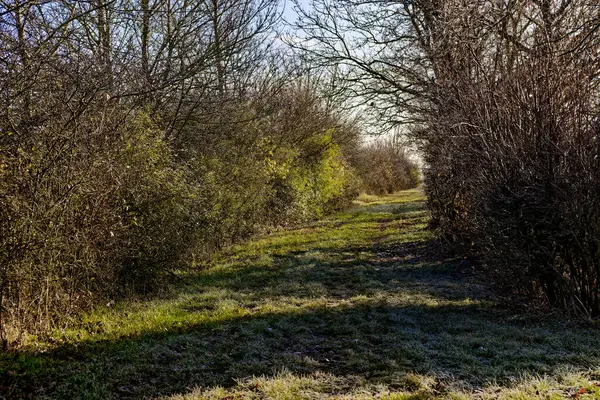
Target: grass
column 361, row 305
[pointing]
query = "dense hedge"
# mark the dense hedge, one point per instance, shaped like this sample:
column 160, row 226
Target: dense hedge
column 105, row 190
column 385, row 167
column 138, row 138
column 108, row 208
column 512, row 151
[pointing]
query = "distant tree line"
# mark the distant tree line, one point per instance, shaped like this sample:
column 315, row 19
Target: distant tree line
column 502, row 98
column 385, row 166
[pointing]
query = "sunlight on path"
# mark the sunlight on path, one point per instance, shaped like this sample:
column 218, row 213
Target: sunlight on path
column 361, row 305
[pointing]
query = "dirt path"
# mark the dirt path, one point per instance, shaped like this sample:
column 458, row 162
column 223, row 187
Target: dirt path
column 360, row 305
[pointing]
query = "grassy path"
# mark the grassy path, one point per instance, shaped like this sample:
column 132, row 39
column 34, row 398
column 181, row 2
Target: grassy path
column 360, row 305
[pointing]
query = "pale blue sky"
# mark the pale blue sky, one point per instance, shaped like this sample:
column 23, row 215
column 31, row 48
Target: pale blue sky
column 288, row 12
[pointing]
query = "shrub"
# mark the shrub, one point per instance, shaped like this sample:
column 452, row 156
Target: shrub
column 60, row 215
column 163, row 211
column 107, row 212
column 385, row 167
column 320, row 181
column 512, row 166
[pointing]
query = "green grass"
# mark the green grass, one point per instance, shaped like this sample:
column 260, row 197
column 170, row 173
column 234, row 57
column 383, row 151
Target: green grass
column 361, row 305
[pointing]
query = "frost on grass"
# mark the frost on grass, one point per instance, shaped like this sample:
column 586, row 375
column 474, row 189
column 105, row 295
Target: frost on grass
column 364, row 304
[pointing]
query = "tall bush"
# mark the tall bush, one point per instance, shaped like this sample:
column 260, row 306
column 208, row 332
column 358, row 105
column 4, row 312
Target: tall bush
column 385, row 167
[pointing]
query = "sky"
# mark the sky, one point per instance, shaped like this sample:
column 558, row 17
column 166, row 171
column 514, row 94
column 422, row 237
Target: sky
column 288, row 12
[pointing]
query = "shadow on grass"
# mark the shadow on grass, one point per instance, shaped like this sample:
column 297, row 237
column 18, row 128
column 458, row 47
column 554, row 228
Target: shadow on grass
column 352, row 271
column 377, row 341
column 371, row 308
